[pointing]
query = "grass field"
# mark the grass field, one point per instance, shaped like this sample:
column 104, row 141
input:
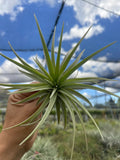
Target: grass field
column 54, row 140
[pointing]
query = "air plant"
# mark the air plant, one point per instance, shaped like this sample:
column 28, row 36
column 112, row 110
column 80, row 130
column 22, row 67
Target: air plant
column 56, row 87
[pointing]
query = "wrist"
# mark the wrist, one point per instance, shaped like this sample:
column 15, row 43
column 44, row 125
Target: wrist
column 8, row 149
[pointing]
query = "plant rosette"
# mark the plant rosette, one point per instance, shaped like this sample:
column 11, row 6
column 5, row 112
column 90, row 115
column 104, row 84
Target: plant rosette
column 56, row 88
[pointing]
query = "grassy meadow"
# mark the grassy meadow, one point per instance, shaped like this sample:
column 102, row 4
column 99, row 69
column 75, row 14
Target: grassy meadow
column 54, row 143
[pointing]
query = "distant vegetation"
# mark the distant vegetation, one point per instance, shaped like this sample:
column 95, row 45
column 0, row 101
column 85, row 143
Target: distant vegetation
column 54, row 140
column 3, row 97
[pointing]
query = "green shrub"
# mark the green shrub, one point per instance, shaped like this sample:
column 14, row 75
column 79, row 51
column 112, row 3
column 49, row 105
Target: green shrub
column 49, row 129
column 0, row 128
column 109, row 149
column 56, row 141
column 43, row 149
column 64, row 143
column 111, row 133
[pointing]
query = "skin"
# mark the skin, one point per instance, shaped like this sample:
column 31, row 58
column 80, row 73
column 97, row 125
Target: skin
column 11, row 138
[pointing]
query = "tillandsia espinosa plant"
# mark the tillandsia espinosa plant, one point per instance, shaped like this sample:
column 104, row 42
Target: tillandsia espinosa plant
column 56, row 87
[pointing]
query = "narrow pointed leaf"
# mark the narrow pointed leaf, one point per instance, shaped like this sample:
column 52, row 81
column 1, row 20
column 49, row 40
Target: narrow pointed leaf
column 72, row 51
column 42, row 90
column 44, row 117
column 32, row 70
column 82, row 123
column 70, row 70
column 62, row 105
column 46, row 53
column 21, row 60
column 57, row 67
column 79, row 96
column 32, row 76
column 53, row 92
column 77, row 59
column 33, row 116
column 86, row 79
column 58, row 111
column 64, row 65
column 70, row 96
column 52, row 49
column 68, row 104
column 42, row 68
column 41, row 99
column 23, row 86
column 29, row 98
column 86, row 86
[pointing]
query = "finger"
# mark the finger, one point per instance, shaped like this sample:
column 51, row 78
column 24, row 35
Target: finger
column 20, row 96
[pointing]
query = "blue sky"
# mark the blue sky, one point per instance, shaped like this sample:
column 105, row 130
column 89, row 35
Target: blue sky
column 17, row 25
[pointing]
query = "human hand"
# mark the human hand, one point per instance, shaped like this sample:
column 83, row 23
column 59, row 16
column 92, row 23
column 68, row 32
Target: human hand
column 11, row 138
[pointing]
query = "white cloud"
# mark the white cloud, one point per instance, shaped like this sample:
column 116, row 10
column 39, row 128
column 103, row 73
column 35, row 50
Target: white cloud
column 103, row 58
column 42, row 61
column 65, row 52
column 50, row 2
column 76, row 32
column 86, row 95
column 79, row 74
column 113, row 90
column 62, row 50
column 84, row 12
column 89, row 14
column 11, row 7
column 14, row 7
column 101, row 67
column 9, row 72
column 115, row 83
column 78, row 49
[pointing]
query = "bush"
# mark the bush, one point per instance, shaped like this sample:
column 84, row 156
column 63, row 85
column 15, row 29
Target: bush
column 43, row 149
column 64, row 143
column 56, row 142
column 109, row 149
column 111, row 133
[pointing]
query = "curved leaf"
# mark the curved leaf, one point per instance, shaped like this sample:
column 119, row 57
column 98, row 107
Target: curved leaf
column 44, row 117
column 70, row 70
column 46, row 53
